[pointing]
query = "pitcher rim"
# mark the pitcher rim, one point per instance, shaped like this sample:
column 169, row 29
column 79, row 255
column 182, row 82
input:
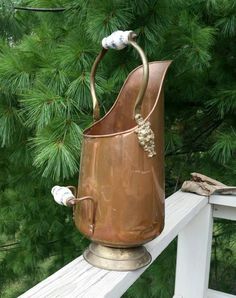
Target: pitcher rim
column 130, row 130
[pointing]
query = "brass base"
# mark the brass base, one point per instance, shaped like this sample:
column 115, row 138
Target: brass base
column 118, row 259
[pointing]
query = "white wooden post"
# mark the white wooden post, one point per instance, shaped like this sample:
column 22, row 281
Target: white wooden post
column 193, row 256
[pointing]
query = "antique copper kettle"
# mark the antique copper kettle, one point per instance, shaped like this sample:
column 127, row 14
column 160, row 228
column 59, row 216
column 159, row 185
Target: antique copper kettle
column 120, row 197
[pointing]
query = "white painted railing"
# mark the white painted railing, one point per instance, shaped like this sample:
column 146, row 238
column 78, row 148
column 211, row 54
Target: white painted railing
column 188, row 216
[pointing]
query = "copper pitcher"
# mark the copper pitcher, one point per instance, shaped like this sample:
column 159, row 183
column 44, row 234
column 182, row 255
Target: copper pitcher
column 121, row 182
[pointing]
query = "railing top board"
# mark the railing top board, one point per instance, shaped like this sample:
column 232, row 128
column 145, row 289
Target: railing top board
column 223, row 200
column 79, row 279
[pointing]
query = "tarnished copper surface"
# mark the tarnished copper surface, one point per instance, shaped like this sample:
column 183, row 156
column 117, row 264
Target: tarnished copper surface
column 126, row 185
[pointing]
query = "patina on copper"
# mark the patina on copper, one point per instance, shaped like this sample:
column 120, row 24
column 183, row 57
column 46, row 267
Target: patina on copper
column 126, row 186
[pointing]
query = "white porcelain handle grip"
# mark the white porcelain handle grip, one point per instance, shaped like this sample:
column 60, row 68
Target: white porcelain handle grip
column 62, row 194
column 118, row 40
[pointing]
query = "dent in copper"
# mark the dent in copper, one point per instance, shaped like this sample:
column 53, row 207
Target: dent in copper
column 126, row 185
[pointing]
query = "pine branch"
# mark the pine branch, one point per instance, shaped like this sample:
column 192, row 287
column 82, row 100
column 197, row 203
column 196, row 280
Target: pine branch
column 174, row 153
column 208, row 130
column 204, row 133
column 57, row 9
column 10, row 244
column 7, row 247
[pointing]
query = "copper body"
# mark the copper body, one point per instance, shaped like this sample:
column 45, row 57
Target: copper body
column 126, row 185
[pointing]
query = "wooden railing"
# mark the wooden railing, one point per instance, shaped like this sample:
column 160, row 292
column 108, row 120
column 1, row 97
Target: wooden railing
column 188, row 216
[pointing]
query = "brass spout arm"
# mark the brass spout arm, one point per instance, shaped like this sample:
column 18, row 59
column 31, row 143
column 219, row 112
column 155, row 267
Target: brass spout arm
column 67, row 196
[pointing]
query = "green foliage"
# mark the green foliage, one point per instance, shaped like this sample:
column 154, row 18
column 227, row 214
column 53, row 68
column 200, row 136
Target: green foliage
column 55, row 150
column 10, row 124
column 160, row 277
column 225, row 147
column 224, row 102
column 10, row 24
column 45, row 103
column 102, row 18
column 223, row 267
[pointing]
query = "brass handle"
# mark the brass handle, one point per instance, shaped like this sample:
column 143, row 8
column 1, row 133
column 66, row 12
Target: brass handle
column 67, row 196
column 77, row 200
column 94, row 205
column 124, row 38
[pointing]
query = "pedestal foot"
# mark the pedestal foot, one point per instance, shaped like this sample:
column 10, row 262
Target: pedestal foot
column 118, row 259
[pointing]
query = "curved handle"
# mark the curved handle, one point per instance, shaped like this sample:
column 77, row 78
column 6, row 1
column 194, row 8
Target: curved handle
column 67, row 196
column 118, row 40
column 78, row 200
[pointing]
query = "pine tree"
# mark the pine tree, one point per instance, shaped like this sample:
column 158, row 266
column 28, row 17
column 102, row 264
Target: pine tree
column 45, row 61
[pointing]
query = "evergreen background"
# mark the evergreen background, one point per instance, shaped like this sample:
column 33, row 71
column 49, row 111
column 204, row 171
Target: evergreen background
column 45, row 61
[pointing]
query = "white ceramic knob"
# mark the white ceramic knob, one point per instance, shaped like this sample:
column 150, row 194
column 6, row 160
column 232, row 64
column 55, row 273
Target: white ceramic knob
column 62, row 194
column 117, row 40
